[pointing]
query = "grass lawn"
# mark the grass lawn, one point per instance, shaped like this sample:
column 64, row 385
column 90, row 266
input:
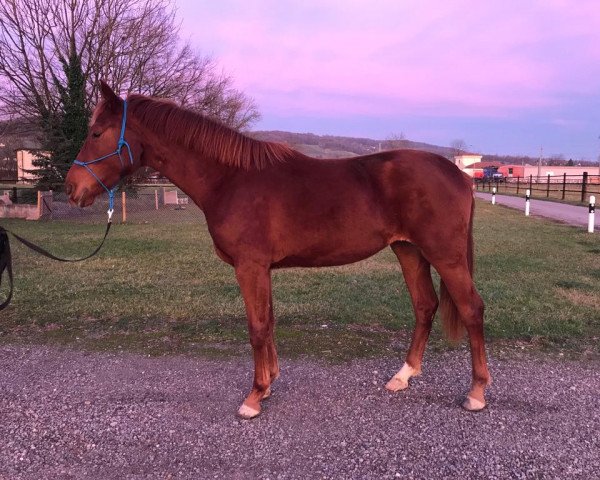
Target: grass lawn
column 159, row 288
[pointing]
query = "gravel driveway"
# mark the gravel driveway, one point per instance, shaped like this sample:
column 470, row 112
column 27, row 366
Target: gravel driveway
column 69, row 414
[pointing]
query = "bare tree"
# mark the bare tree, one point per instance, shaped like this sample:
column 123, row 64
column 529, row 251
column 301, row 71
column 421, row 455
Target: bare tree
column 8, row 143
column 458, row 146
column 395, row 140
column 132, row 44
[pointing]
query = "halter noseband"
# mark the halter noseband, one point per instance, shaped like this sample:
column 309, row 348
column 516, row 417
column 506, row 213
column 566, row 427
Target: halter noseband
column 121, row 143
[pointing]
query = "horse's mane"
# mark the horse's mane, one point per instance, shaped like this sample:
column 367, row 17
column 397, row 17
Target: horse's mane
column 207, row 137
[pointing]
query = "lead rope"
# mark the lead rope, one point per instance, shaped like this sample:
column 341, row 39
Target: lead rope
column 6, row 257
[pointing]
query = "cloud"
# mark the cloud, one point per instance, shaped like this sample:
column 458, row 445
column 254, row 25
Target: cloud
column 474, row 57
column 426, row 58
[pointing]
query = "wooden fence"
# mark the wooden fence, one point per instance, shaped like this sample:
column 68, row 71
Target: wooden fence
column 142, row 204
column 571, row 188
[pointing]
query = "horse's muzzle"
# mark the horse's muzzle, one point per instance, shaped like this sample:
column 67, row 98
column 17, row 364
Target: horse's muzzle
column 80, row 199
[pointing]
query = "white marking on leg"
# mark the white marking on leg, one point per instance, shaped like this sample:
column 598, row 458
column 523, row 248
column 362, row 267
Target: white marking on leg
column 247, row 412
column 400, row 380
column 472, row 404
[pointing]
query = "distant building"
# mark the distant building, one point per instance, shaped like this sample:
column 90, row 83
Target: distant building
column 466, row 162
column 17, row 154
column 473, row 166
column 463, row 161
column 25, row 166
column 510, row 171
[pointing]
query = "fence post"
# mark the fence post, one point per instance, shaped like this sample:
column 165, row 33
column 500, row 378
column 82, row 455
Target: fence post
column 530, row 183
column 548, row 186
column 564, row 185
column 592, row 209
column 155, row 199
column 124, row 206
column 518, row 185
column 583, row 186
column 39, row 204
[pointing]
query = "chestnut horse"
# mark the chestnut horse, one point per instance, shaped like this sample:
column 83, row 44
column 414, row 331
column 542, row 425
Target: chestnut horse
column 268, row 206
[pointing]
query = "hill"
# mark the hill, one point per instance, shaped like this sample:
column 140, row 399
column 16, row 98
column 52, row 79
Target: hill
column 331, row 146
column 321, row 146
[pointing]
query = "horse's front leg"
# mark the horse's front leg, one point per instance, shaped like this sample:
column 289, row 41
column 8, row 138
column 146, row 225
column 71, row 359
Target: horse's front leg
column 255, row 284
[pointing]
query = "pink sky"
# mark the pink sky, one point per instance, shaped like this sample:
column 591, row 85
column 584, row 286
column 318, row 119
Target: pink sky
column 374, row 68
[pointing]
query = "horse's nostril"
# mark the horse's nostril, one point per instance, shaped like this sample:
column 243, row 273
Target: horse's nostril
column 68, row 188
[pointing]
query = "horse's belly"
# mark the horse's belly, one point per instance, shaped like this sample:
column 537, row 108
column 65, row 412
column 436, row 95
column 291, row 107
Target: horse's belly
column 330, row 253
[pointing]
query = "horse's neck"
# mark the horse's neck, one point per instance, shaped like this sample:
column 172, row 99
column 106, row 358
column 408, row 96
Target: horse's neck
column 198, row 177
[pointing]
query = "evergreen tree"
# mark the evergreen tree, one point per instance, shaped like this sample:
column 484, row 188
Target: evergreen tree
column 65, row 131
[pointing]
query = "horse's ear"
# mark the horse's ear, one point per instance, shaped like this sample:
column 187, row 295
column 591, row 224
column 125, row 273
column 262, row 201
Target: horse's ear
column 111, row 99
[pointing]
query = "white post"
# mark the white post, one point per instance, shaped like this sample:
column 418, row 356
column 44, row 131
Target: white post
column 494, row 196
column 527, row 194
column 592, row 208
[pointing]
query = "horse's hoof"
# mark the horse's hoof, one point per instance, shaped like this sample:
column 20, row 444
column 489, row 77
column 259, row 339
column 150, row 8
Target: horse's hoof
column 267, row 393
column 400, row 380
column 396, row 384
column 247, row 412
column 473, row 405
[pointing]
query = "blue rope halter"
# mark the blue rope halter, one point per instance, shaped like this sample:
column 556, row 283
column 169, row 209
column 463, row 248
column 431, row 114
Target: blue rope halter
column 121, row 143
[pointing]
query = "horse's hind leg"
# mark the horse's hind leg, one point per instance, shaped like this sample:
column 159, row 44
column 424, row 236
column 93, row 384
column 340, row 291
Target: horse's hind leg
column 417, row 274
column 272, row 352
column 469, row 306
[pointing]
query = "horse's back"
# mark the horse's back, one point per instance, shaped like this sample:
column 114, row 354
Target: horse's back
column 378, row 199
column 416, row 172
column 426, row 197
column 420, row 193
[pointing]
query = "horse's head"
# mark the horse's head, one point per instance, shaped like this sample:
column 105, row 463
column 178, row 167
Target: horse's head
column 111, row 151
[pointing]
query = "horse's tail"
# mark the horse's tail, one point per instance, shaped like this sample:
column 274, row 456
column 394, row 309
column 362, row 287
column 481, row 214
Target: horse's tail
column 451, row 321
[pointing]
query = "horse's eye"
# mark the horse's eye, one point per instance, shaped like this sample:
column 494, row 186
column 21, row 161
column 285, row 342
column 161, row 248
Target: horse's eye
column 96, row 134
